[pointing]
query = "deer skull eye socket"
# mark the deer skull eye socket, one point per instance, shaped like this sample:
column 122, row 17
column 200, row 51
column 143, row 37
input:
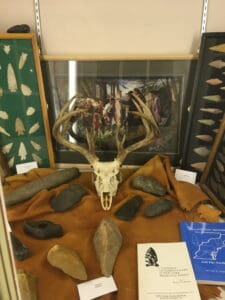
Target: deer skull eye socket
column 118, row 176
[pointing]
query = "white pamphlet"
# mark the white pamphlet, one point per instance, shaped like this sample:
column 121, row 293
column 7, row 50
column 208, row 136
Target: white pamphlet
column 95, row 288
column 184, row 175
column 25, row 167
column 165, row 272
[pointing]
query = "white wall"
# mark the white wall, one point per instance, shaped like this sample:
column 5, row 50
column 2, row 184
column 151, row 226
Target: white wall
column 118, row 27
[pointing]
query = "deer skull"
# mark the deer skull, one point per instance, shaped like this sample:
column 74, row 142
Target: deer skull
column 106, row 175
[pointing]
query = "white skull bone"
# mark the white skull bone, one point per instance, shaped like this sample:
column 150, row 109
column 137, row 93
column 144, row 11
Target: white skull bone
column 107, row 176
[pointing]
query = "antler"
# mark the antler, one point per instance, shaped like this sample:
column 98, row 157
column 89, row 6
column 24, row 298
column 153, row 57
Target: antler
column 151, row 129
column 62, row 124
column 105, row 174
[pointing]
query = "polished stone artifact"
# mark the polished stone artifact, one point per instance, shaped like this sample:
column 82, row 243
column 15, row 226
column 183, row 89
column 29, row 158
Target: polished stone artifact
column 68, row 261
column 21, row 28
column 42, row 229
column 107, row 242
column 27, row 285
column 68, row 198
column 47, row 182
column 158, row 207
column 20, row 250
column 128, row 210
column 149, row 185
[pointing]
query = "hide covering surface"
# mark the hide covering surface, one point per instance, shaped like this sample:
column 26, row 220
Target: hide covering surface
column 80, row 223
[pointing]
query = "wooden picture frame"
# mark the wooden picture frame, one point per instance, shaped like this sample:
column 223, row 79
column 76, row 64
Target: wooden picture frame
column 207, row 104
column 102, row 71
column 213, row 177
column 24, row 125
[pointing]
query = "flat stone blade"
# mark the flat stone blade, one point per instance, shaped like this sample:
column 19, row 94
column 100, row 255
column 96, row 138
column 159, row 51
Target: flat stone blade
column 107, row 242
column 68, row 261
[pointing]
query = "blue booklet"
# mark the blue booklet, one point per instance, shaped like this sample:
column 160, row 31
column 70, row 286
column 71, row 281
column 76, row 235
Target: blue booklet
column 206, row 246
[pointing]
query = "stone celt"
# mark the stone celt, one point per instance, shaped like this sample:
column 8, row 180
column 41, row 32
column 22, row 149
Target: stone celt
column 149, row 185
column 28, row 190
column 20, row 250
column 128, row 210
column 68, row 198
column 158, row 207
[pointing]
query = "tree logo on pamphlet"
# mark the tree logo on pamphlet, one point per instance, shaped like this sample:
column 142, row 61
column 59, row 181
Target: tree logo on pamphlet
column 151, row 258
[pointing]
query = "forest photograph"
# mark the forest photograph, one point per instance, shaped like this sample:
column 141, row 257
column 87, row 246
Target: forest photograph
column 108, row 103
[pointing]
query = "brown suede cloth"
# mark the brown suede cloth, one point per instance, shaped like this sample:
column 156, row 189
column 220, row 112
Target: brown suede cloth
column 80, row 223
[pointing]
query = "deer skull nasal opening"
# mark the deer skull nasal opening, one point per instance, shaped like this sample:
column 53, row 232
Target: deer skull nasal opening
column 106, row 200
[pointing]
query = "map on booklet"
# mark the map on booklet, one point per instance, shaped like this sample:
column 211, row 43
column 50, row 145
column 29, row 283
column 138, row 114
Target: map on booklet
column 165, row 272
column 206, row 246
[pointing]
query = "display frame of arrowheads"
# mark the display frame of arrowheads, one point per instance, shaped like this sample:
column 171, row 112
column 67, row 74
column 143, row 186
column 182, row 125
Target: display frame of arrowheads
column 207, row 104
column 213, row 177
column 24, row 128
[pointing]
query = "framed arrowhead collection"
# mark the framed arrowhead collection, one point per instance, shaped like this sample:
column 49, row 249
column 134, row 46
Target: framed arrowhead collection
column 24, row 128
column 213, row 177
column 208, row 102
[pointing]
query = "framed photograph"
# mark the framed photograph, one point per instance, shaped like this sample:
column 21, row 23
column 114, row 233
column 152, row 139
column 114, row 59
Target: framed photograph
column 164, row 86
column 24, row 127
column 207, row 105
column 213, row 177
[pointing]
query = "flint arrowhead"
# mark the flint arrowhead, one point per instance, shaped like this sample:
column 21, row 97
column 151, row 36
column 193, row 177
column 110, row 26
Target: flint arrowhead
column 107, row 242
column 27, row 285
column 68, row 261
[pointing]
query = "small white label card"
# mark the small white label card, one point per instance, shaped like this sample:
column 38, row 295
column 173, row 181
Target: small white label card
column 187, row 176
column 95, row 288
column 23, row 168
